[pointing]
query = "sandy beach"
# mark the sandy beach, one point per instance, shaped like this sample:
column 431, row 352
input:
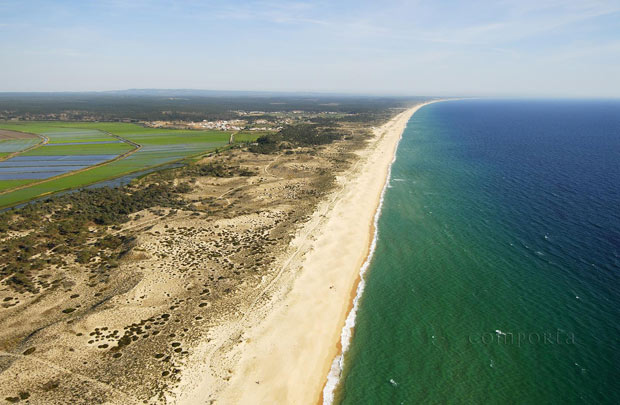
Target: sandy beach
column 282, row 352
column 241, row 299
column 234, row 290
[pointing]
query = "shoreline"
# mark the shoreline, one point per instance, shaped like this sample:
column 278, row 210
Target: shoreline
column 332, row 379
column 285, row 354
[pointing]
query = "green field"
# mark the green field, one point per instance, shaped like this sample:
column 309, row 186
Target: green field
column 249, row 136
column 6, row 184
column 79, row 136
column 157, row 147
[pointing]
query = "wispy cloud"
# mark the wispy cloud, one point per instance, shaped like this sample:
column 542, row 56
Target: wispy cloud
column 269, row 41
column 62, row 52
column 280, row 12
column 519, row 20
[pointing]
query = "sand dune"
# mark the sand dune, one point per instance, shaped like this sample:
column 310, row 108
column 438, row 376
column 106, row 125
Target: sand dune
column 283, row 356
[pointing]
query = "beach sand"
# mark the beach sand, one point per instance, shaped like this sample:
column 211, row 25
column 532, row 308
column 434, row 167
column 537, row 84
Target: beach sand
column 281, row 351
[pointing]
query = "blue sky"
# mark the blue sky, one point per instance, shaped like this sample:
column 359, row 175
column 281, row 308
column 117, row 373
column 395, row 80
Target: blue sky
column 420, row 47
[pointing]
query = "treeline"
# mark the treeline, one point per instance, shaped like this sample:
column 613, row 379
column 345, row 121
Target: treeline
column 214, row 170
column 182, row 106
column 294, row 136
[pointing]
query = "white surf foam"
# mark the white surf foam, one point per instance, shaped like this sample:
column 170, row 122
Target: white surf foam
column 333, row 378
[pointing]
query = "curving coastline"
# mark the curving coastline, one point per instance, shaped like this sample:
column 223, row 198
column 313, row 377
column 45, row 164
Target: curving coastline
column 337, row 365
column 285, row 351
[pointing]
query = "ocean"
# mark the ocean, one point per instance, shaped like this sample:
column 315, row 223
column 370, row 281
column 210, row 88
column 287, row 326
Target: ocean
column 496, row 274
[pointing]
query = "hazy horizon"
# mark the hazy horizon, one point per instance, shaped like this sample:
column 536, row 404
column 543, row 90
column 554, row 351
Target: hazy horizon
column 399, row 48
column 300, row 93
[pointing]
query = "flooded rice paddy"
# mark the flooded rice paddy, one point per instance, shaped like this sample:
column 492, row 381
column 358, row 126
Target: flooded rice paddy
column 76, row 155
column 43, row 167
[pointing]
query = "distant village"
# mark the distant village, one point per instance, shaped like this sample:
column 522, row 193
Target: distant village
column 219, row 125
column 251, row 121
column 246, row 121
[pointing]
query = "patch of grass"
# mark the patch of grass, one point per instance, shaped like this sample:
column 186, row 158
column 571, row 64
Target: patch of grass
column 296, row 135
column 32, row 127
column 249, row 136
column 178, row 137
column 79, row 135
column 74, row 139
column 6, row 184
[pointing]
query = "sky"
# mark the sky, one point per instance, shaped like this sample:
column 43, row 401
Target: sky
column 539, row 48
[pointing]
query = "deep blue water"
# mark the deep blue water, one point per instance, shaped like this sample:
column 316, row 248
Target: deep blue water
column 496, row 277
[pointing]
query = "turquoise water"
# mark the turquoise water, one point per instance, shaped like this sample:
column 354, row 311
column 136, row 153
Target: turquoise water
column 496, row 275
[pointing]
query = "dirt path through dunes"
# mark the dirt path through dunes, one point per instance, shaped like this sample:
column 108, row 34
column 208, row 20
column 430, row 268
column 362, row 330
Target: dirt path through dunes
column 266, row 169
